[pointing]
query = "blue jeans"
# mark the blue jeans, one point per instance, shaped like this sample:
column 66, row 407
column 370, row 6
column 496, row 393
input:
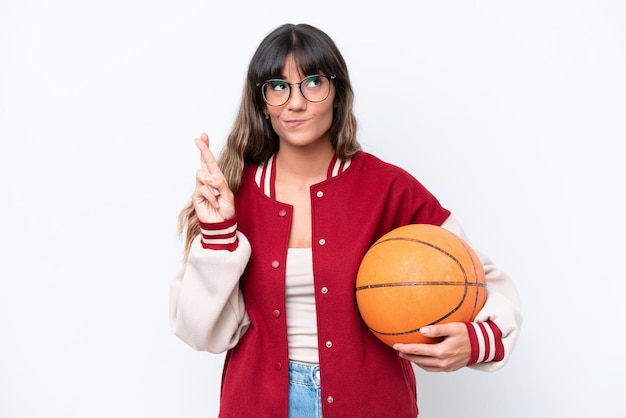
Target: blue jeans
column 305, row 393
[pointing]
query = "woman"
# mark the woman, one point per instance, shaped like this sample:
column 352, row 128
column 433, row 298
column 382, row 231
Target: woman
column 275, row 232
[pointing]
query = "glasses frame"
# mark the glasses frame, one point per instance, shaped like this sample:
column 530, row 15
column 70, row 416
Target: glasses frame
column 299, row 84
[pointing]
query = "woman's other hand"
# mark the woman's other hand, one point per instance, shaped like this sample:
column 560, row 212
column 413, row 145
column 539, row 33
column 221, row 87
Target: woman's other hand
column 448, row 355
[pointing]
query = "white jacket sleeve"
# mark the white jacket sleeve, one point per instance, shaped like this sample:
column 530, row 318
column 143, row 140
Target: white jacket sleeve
column 206, row 306
column 502, row 306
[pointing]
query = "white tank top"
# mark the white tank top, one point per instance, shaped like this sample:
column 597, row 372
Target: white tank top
column 301, row 314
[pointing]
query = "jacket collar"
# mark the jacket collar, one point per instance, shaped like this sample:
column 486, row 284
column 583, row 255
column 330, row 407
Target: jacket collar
column 265, row 175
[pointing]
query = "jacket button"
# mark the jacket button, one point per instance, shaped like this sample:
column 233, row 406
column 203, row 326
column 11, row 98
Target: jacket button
column 278, row 365
column 275, row 264
column 322, row 241
column 329, row 344
column 324, row 290
column 276, row 313
column 330, row 399
column 282, row 213
column 320, row 193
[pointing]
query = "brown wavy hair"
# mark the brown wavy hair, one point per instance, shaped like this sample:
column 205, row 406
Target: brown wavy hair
column 252, row 139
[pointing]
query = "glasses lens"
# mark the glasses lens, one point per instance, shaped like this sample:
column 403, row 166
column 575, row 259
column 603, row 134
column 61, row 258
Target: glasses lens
column 276, row 92
column 315, row 88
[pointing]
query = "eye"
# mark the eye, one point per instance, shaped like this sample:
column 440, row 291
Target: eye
column 277, row 85
column 312, row 81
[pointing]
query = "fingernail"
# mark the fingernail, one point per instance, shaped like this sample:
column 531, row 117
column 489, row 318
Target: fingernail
column 425, row 330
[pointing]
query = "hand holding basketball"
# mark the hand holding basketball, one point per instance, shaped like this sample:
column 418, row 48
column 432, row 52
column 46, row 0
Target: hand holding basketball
column 212, row 199
column 449, row 355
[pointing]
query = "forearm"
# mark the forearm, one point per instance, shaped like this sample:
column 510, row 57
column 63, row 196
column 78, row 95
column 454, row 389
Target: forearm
column 494, row 334
column 206, row 306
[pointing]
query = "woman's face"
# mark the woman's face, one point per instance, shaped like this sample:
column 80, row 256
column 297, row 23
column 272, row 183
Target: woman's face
column 300, row 122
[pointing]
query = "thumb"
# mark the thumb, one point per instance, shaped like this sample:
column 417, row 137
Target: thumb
column 435, row 331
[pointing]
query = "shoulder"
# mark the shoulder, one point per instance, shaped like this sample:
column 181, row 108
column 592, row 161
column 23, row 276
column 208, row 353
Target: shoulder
column 404, row 195
column 369, row 163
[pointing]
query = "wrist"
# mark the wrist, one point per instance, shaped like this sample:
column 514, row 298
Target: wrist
column 485, row 342
column 220, row 235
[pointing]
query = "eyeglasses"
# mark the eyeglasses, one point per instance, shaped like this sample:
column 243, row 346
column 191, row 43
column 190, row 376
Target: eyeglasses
column 314, row 88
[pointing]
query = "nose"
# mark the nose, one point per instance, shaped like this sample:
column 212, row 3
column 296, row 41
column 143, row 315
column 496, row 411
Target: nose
column 297, row 100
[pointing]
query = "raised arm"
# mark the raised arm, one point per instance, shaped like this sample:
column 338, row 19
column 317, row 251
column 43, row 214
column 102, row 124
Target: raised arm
column 206, row 307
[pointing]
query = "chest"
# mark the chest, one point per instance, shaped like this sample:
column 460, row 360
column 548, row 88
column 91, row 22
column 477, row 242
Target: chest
column 298, row 197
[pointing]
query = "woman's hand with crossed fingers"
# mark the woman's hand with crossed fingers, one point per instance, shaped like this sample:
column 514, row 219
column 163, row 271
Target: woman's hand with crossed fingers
column 212, row 199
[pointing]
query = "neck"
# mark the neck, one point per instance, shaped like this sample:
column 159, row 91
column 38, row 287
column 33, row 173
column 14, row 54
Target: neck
column 304, row 164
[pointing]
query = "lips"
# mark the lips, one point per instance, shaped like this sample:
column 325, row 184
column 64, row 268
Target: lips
column 294, row 123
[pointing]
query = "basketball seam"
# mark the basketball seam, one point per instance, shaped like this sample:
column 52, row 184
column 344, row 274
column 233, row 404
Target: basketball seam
column 398, row 284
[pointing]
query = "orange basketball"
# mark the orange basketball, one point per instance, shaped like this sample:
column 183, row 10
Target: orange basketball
column 418, row 275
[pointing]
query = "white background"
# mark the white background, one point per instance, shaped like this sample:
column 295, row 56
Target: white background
column 511, row 112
